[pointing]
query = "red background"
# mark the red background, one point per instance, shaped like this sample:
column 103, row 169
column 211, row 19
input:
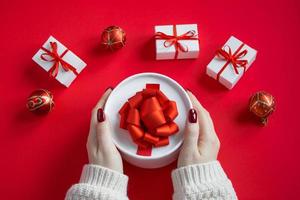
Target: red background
column 41, row 157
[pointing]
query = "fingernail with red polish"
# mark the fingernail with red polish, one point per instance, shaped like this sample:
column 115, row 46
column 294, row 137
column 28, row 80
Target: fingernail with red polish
column 109, row 88
column 192, row 116
column 188, row 90
column 100, row 115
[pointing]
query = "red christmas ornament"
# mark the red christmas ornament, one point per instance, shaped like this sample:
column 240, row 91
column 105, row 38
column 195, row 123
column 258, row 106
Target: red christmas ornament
column 40, row 101
column 113, row 38
column 262, row 104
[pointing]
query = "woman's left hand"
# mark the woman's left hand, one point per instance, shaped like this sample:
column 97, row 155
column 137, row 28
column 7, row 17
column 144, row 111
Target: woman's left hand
column 100, row 147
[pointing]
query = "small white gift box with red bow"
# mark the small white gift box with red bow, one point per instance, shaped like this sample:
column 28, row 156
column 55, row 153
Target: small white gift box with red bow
column 231, row 62
column 177, row 41
column 61, row 63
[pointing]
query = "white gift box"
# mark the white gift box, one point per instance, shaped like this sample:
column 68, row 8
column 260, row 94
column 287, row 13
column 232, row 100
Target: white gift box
column 160, row 156
column 192, row 45
column 63, row 76
column 228, row 76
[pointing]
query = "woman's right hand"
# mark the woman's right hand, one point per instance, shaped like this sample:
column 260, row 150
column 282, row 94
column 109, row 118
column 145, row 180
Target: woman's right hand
column 201, row 143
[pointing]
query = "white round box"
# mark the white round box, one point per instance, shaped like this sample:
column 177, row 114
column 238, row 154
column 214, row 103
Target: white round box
column 160, row 156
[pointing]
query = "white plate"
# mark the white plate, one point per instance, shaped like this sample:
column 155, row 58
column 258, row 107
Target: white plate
column 122, row 92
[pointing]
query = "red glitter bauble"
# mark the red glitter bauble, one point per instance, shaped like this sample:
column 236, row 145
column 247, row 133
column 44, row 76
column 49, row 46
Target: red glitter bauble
column 113, row 38
column 262, row 104
column 40, row 101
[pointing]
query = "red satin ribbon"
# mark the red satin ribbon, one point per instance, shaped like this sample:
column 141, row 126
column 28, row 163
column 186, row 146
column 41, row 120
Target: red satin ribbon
column 57, row 59
column 174, row 39
column 148, row 116
column 234, row 59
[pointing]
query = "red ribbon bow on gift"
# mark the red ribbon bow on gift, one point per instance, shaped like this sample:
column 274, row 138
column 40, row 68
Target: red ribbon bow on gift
column 235, row 59
column 175, row 39
column 148, row 116
column 57, row 59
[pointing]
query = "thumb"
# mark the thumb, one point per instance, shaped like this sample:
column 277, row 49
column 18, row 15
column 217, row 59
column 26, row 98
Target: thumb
column 191, row 134
column 103, row 132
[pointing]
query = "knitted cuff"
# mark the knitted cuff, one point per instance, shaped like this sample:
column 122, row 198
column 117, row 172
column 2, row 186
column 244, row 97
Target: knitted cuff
column 99, row 176
column 197, row 175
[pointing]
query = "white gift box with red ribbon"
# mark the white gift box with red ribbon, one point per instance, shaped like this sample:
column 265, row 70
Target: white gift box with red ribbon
column 60, row 62
column 177, row 41
column 231, row 62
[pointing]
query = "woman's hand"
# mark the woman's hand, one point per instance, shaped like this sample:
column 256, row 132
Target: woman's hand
column 100, row 146
column 201, row 143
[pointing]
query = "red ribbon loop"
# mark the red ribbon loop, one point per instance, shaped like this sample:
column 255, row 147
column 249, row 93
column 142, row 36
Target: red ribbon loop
column 234, row 59
column 52, row 56
column 174, row 39
column 148, row 116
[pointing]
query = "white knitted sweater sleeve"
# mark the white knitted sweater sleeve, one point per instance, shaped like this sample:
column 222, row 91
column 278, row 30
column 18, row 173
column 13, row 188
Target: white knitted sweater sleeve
column 99, row 183
column 206, row 181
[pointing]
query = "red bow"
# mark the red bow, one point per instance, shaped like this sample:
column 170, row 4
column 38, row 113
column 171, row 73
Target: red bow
column 57, row 59
column 148, row 116
column 235, row 59
column 174, row 39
